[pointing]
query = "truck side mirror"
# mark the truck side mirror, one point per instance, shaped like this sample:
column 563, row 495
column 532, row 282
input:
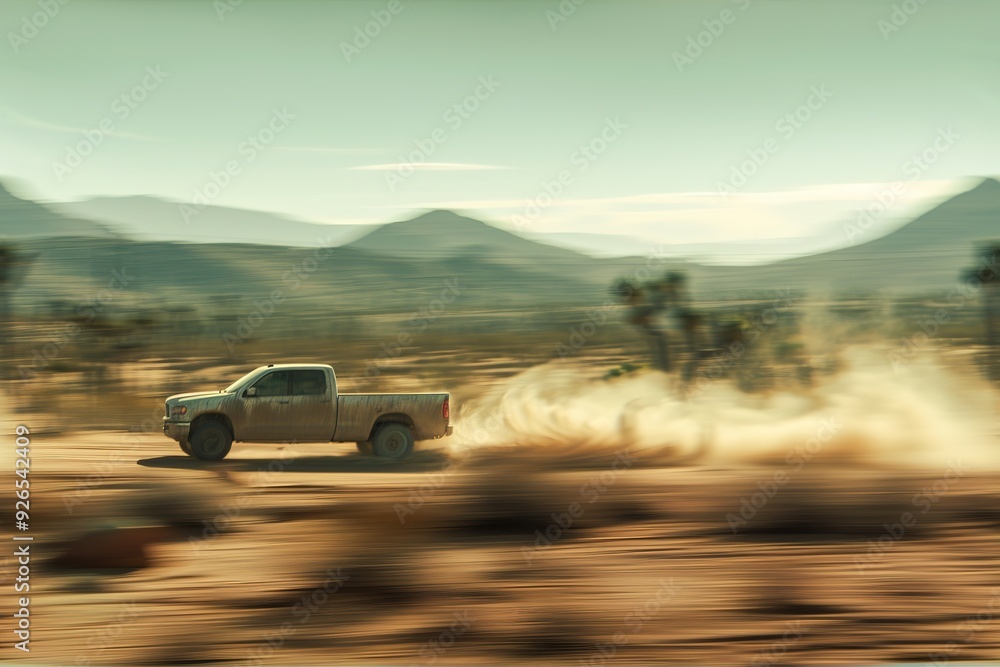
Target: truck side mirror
column 252, row 391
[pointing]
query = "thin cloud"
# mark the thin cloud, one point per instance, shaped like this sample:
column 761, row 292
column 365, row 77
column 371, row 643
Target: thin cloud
column 28, row 121
column 427, row 166
column 464, row 204
column 332, row 150
column 673, row 201
column 809, row 216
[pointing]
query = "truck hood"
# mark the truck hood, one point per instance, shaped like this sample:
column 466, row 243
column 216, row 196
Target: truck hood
column 193, row 396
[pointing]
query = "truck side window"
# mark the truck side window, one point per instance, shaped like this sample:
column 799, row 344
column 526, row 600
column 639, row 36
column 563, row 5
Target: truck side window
column 273, row 384
column 308, row 383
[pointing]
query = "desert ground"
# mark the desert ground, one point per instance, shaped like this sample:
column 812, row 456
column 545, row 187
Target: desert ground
column 570, row 521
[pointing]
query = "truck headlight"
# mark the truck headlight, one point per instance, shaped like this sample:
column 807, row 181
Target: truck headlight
column 178, row 410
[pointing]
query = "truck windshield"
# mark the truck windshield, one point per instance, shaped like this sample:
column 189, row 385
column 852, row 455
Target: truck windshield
column 243, row 379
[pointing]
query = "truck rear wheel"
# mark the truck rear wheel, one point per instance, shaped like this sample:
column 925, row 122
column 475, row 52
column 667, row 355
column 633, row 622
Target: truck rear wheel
column 393, row 441
column 365, row 447
column 211, row 441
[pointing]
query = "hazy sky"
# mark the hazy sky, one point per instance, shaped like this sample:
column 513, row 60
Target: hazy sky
column 673, row 98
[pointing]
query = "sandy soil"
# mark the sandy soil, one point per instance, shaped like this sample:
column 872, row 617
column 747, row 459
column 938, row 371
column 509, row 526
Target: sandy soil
column 312, row 554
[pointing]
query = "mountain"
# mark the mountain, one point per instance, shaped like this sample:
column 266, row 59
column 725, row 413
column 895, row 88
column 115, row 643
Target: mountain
column 928, row 253
column 558, row 273
column 340, row 280
column 441, row 233
column 753, row 251
column 151, row 218
column 23, row 218
column 402, row 265
column 954, row 225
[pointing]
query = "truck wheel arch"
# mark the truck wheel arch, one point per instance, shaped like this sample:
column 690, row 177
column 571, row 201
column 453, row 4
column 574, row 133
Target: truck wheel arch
column 392, row 418
column 213, row 416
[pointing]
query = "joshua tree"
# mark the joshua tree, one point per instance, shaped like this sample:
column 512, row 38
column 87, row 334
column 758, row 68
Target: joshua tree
column 14, row 264
column 8, row 259
column 647, row 304
column 989, row 273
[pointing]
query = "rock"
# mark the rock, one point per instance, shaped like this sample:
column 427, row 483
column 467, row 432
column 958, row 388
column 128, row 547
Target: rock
column 112, row 548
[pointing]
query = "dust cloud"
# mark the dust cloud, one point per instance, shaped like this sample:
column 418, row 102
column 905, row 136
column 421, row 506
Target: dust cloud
column 920, row 414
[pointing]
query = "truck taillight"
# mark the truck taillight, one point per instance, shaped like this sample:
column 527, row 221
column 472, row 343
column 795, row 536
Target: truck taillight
column 446, row 410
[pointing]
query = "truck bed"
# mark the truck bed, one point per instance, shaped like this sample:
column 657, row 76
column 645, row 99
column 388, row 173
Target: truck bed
column 357, row 412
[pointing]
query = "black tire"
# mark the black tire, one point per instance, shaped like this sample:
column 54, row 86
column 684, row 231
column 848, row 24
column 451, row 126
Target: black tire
column 393, row 441
column 186, row 447
column 365, row 447
column 211, row 442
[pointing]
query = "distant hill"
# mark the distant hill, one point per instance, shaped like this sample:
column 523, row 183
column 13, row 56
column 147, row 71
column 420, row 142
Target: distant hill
column 753, row 251
column 23, row 218
column 402, row 265
column 442, row 233
column 928, row 253
column 955, row 224
column 346, row 280
column 154, row 219
column 558, row 274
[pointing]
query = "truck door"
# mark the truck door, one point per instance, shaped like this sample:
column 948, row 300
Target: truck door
column 313, row 407
column 267, row 413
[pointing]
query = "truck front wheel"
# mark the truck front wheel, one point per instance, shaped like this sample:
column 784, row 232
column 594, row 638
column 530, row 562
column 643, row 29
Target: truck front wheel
column 365, row 447
column 211, row 441
column 186, row 447
column 393, row 441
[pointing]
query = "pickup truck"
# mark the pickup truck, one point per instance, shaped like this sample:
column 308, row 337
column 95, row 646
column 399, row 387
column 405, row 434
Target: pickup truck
column 300, row 403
